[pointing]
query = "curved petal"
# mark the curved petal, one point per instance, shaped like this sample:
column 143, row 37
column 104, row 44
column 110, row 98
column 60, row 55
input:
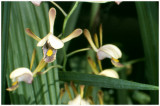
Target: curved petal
column 116, row 63
column 22, row 74
column 43, row 41
column 88, row 36
column 28, row 78
column 52, row 15
column 109, row 73
column 109, row 51
column 93, row 65
column 74, row 34
column 13, row 87
column 55, row 42
column 31, row 34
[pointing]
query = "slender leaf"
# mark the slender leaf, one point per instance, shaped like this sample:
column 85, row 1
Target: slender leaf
column 44, row 89
column 5, row 33
column 148, row 21
column 102, row 81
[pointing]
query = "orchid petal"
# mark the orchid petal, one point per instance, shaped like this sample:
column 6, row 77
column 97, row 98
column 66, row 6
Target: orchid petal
column 109, row 51
column 55, row 42
column 88, row 36
column 43, row 41
column 109, row 73
column 49, row 58
column 74, row 34
column 33, row 58
column 96, row 40
column 118, row 2
column 31, row 34
column 116, row 63
column 93, row 65
column 52, row 15
column 100, row 35
column 22, row 74
column 13, row 87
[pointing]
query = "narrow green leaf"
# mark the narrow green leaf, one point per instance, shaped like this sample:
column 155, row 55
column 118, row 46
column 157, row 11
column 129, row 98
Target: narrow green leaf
column 44, row 89
column 102, row 81
column 5, row 33
column 148, row 21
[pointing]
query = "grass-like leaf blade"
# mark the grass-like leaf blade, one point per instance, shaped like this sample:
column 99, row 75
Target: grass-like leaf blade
column 102, row 81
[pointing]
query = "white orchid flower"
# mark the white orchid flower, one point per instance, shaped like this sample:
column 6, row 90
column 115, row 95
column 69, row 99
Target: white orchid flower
column 51, row 43
column 109, row 73
column 36, row 3
column 18, row 75
column 104, row 51
column 78, row 101
column 106, row 1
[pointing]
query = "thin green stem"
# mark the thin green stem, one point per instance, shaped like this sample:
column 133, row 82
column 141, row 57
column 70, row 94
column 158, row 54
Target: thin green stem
column 63, row 12
column 77, row 51
column 59, row 35
column 66, row 56
column 65, row 60
column 67, row 17
column 56, row 66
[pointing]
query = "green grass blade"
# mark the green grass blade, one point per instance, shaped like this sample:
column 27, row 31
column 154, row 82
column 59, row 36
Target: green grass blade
column 5, row 33
column 148, row 21
column 102, row 81
column 44, row 89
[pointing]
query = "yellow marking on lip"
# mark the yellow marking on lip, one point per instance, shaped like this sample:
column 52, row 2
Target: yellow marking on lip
column 49, row 52
column 14, row 83
column 116, row 60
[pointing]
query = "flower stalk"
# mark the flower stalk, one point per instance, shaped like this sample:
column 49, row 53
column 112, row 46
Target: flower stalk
column 63, row 12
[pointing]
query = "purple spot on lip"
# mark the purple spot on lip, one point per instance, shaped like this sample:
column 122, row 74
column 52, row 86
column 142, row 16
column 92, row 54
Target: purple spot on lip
column 51, row 58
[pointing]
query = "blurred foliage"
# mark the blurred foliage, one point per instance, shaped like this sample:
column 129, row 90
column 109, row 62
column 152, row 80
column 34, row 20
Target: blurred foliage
column 132, row 26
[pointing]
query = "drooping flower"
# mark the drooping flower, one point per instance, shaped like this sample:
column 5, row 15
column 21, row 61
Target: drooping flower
column 106, row 1
column 107, row 72
column 104, row 51
column 78, row 101
column 51, row 43
column 19, row 75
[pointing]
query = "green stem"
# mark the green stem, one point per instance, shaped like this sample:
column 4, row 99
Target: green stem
column 65, row 60
column 56, row 66
column 66, row 56
column 63, row 12
column 67, row 17
column 77, row 51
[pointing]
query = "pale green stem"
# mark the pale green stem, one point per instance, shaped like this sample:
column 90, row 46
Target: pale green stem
column 77, row 51
column 64, row 26
column 59, row 35
column 65, row 60
column 56, row 66
column 67, row 17
column 63, row 12
column 66, row 56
